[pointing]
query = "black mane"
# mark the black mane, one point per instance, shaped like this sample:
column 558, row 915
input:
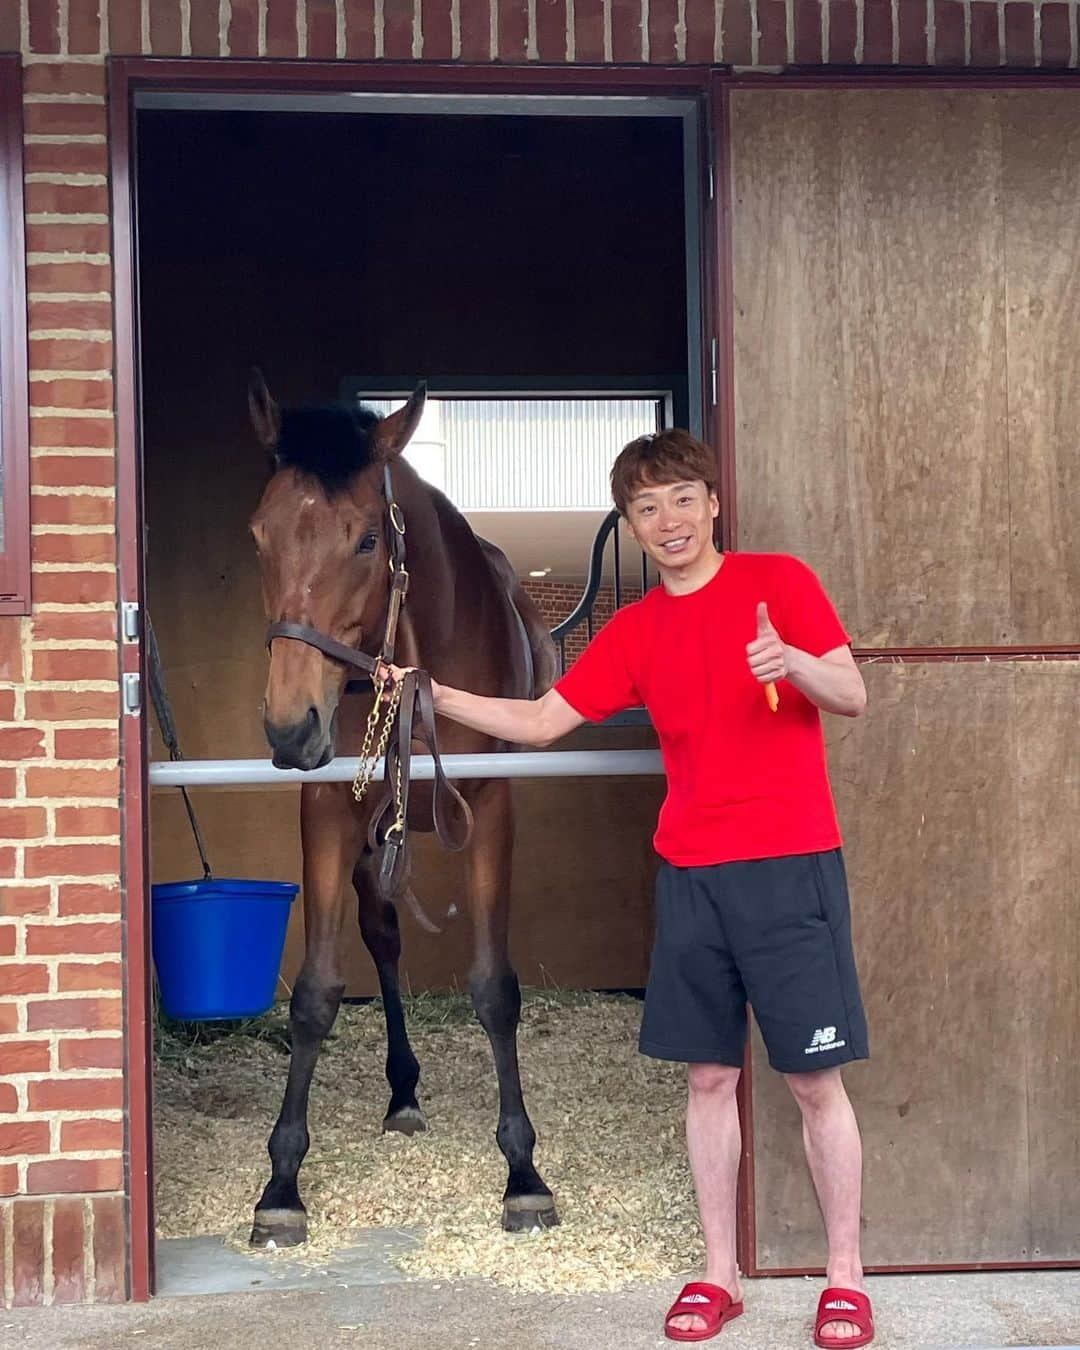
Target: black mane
column 331, row 443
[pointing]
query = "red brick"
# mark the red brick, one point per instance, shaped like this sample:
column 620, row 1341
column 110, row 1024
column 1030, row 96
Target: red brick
column 21, row 743
column 87, row 898
column 321, row 30
column 877, row 35
column 73, row 860
column 44, row 25
column 98, row 546
column 949, row 33
column 110, row 1249
column 98, row 663
column 24, row 977
column 74, row 977
column 68, row 277
column 76, row 1094
column 28, row 1238
column 843, row 32
column 95, row 395
column 65, row 119
column 24, row 1136
column 9, row 1172
column 65, row 157
column 69, row 354
column 772, row 33
column 15, row 901
column 84, row 314
column 475, row 22
column 435, row 25
column 7, row 939
column 700, row 32
column 72, row 782
column 808, row 51
column 125, row 32
column 67, row 237
column 204, row 30
column 10, row 36
column 87, row 743
column 64, row 79
column 24, row 1056
column 626, row 18
column 88, row 822
column 1020, row 35
column 11, row 649
column 913, row 38
column 165, row 27
column 398, row 29
column 84, row 27
column 281, row 28
column 74, row 1014
column 64, row 705
column 22, row 822
column 68, row 1175
column 1056, row 39
column 985, row 47
column 663, row 15
column 737, row 33
column 9, row 1098
column 92, row 1136
column 243, row 32
column 68, row 1250
column 9, row 1018
column 7, row 705
column 74, row 626
column 104, row 1053
column 69, row 938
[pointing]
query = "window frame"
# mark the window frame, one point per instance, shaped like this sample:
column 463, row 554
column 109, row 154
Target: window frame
column 14, row 402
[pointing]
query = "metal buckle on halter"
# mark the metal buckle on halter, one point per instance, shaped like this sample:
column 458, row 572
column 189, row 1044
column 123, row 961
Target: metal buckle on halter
column 396, row 518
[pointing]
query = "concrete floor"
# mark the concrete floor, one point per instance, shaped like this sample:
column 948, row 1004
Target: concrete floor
column 1039, row 1309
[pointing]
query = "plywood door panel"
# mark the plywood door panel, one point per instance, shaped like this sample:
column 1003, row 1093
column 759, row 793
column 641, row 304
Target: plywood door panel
column 1041, row 198
column 927, row 795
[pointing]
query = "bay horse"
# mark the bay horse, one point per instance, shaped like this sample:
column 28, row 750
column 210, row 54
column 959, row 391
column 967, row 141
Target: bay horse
column 324, row 534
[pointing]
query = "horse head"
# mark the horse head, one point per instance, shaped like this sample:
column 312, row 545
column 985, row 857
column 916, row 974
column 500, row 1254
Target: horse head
column 322, row 531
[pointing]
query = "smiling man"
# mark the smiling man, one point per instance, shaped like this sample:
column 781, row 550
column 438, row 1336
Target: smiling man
column 752, row 903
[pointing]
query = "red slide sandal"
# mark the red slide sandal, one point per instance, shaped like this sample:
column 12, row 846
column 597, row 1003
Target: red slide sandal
column 707, row 1301
column 844, row 1305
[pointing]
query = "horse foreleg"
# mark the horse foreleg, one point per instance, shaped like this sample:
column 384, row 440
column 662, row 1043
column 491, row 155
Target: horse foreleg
column 496, row 995
column 329, row 847
column 382, row 937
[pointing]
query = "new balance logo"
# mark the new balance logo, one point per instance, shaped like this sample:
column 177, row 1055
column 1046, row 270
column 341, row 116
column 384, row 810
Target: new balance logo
column 824, row 1039
column 840, row 1305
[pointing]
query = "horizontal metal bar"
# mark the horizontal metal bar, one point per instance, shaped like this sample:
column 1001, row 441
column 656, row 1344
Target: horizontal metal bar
column 524, row 764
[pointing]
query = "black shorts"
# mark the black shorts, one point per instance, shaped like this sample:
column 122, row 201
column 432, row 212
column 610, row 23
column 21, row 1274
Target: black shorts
column 775, row 933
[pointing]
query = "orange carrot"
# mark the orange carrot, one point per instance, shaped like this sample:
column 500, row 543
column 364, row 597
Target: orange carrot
column 772, row 697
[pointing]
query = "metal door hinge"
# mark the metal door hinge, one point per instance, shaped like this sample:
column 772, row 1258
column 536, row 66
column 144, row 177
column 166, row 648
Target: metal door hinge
column 130, row 624
column 714, row 359
column 132, row 694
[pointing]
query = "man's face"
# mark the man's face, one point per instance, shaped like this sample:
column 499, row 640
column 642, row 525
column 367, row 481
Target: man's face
column 673, row 522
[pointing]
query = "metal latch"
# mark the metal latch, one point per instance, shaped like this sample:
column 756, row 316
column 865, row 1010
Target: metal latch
column 129, row 620
column 132, row 694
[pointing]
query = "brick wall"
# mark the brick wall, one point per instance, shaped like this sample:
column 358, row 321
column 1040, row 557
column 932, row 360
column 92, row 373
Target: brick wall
column 62, row 1228
column 557, row 599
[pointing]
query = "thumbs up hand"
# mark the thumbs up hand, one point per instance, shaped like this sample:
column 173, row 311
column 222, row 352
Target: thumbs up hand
column 767, row 654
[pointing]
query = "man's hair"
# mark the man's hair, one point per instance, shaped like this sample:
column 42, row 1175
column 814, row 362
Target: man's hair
column 672, row 456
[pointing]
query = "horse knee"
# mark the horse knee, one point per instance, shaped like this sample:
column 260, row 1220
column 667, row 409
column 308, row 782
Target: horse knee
column 313, row 1008
column 497, row 1000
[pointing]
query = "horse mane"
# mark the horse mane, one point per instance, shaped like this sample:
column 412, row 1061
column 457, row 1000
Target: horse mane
column 331, row 443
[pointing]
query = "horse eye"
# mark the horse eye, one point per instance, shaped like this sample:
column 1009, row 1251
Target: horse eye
column 367, row 544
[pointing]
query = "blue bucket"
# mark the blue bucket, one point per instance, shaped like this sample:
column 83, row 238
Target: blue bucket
column 217, row 945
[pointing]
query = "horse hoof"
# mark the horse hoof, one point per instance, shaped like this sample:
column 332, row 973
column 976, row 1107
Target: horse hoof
column 279, row 1228
column 409, row 1120
column 524, row 1213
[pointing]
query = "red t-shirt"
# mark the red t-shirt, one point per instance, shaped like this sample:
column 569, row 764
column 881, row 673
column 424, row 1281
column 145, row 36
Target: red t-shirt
column 743, row 782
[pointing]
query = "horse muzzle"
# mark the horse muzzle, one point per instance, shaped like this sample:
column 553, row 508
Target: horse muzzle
column 307, row 744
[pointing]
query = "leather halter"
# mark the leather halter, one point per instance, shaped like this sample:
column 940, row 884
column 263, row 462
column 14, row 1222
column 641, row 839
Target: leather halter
column 415, row 719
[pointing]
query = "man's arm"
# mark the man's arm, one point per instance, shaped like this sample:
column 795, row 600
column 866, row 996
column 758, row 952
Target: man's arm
column 524, row 721
column 832, row 682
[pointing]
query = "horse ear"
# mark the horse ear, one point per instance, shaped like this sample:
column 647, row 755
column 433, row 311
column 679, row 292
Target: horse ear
column 265, row 413
column 395, row 430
